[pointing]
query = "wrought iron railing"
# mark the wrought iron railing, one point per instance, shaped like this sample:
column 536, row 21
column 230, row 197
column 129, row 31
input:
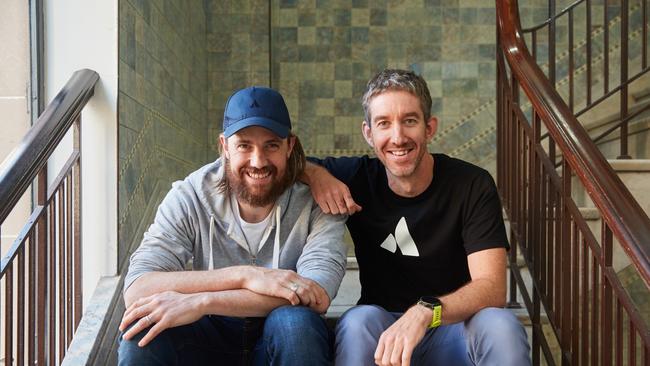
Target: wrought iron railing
column 40, row 274
column 580, row 66
column 589, row 315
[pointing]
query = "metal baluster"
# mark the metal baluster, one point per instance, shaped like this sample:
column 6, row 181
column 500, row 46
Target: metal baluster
column 9, row 312
column 31, row 325
column 606, row 300
column 61, row 278
column 571, row 62
column 624, row 76
column 77, row 254
column 605, row 49
column 20, row 332
column 588, row 35
column 42, row 265
column 68, row 245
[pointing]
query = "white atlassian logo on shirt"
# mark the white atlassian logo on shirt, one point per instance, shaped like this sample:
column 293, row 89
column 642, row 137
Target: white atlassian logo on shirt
column 402, row 239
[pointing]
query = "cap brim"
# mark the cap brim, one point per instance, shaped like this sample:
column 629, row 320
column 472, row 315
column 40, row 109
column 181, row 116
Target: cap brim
column 277, row 128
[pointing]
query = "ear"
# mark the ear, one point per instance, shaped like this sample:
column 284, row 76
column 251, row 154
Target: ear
column 291, row 140
column 224, row 145
column 367, row 133
column 431, row 128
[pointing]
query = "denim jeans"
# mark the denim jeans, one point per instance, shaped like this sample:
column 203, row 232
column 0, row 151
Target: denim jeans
column 491, row 337
column 289, row 335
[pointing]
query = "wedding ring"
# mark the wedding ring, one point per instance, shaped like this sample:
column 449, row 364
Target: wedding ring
column 149, row 322
column 293, row 287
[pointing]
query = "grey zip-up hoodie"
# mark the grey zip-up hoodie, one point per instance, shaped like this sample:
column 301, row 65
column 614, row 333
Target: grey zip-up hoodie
column 196, row 222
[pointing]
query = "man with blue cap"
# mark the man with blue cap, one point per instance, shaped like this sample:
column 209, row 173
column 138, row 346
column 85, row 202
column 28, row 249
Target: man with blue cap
column 265, row 259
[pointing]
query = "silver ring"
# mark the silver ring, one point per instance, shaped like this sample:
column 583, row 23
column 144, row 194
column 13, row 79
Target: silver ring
column 149, row 322
column 294, row 287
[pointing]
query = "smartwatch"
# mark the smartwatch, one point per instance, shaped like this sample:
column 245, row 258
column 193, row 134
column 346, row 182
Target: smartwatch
column 435, row 305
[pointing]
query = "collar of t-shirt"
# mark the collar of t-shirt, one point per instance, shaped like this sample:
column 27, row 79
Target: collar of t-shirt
column 254, row 233
column 398, row 200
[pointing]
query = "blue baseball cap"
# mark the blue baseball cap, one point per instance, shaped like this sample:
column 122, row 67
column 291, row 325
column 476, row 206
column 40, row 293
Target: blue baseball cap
column 256, row 106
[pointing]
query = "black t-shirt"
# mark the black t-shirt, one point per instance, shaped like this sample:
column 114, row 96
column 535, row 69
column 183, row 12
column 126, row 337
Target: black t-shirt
column 410, row 247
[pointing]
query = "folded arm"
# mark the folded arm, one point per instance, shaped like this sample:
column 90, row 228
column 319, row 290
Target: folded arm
column 168, row 299
column 171, row 309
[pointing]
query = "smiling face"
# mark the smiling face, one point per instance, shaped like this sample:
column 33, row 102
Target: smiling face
column 399, row 133
column 256, row 164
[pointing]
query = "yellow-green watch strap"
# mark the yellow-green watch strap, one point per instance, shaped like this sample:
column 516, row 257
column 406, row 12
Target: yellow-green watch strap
column 435, row 305
column 437, row 316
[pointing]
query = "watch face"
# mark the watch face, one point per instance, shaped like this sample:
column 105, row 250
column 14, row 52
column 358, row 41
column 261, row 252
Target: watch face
column 431, row 300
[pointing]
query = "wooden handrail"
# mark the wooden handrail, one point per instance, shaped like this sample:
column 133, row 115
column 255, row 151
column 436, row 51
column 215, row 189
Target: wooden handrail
column 627, row 220
column 20, row 168
column 42, row 270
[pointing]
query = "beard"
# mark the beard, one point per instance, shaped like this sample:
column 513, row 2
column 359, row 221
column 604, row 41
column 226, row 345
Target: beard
column 256, row 196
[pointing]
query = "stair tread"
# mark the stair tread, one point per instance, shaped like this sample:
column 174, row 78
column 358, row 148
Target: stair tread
column 630, row 165
column 590, row 213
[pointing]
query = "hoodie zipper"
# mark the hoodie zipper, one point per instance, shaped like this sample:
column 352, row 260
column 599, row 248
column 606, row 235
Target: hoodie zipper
column 253, row 258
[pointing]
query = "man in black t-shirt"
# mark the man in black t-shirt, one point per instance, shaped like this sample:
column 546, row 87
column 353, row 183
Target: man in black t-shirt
column 430, row 242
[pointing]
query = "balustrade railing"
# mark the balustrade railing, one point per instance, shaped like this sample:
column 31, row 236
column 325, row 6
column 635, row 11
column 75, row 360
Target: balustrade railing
column 40, row 273
column 580, row 311
column 595, row 57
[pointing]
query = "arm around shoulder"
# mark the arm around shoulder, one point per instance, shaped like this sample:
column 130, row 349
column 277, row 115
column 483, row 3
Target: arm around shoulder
column 332, row 195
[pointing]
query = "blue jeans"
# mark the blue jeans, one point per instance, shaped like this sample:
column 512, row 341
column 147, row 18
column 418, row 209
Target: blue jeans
column 491, row 337
column 290, row 335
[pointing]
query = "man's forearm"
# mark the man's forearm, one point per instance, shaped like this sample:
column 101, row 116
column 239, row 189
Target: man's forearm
column 171, row 309
column 469, row 299
column 185, row 282
column 240, row 303
column 309, row 172
column 486, row 289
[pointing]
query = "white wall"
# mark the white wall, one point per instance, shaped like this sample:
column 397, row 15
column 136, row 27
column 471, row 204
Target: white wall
column 14, row 104
column 83, row 34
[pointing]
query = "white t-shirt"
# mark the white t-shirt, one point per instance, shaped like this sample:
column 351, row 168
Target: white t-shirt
column 253, row 232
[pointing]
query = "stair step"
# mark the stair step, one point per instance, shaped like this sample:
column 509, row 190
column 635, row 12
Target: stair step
column 603, row 116
column 633, row 173
column 352, row 263
column 630, row 165
column 590, row 213
column 641, row 95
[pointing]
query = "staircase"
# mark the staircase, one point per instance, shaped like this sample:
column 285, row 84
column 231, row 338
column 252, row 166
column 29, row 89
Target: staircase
column 577, row 220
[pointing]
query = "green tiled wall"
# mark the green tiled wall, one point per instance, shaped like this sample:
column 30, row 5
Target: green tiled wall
column 237, row 51
column 325, row 51
column 321, row 53
column 162, row 107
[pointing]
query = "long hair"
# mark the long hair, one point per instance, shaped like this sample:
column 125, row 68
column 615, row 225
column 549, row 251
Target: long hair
column 395, row 79
column 296, row 162
column 295, row 167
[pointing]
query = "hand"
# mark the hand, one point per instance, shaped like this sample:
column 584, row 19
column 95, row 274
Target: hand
column 396, row 344
column 332, row 195
column 288, row 285
column 163, row 310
